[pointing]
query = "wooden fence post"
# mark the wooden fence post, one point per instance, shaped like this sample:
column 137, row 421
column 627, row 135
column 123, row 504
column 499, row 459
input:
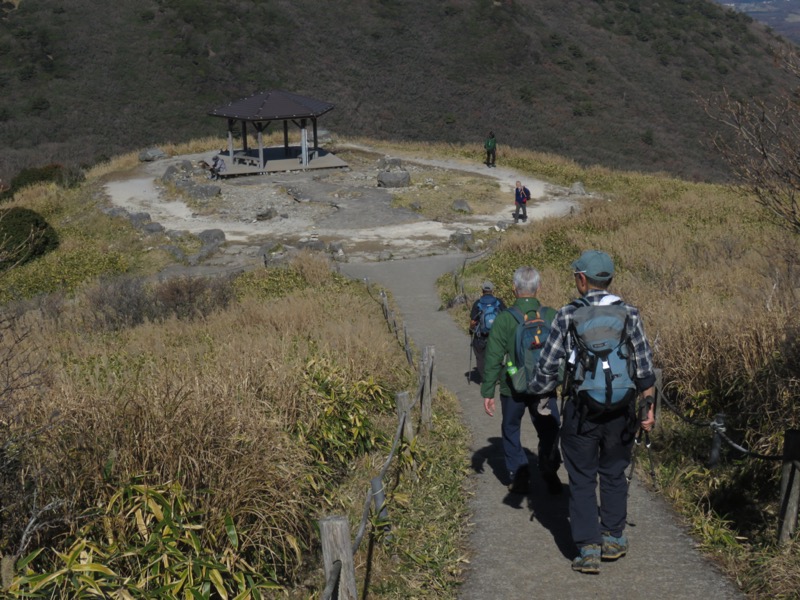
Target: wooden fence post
column 336, row 547
column 407, row 346
column 403, row 402
column 790, row 486
column 716, row 441
column 427, row 390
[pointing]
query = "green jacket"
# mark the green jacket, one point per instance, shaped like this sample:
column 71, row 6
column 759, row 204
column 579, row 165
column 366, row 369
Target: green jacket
column 501, row 345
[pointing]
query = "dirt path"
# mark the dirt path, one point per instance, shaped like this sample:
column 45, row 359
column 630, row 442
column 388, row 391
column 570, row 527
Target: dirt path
column 521, row 548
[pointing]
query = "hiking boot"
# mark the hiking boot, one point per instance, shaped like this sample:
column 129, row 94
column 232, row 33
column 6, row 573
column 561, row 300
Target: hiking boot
column 519, row 482
column 554, row 485
column 614, row 547
column 589, row 560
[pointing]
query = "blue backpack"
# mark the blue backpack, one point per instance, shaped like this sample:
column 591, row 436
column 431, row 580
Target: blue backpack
column 601, row 361
column 529, row 339
column 490, row 308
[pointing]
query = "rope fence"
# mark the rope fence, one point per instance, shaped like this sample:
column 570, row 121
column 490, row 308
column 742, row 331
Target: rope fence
column 790, row 470
column 391, row 321
column 337, row 550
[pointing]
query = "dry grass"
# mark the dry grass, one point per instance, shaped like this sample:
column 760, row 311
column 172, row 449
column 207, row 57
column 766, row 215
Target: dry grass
column 716, row 281
column 212, row 403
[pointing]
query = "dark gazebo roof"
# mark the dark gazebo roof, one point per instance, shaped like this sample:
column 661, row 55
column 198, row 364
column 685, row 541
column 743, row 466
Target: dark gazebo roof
column 273, row 106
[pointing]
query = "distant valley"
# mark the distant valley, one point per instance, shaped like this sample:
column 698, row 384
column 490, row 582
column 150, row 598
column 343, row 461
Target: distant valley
column 783, row 16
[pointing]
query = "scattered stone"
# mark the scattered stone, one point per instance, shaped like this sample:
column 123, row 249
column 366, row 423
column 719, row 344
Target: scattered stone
column 153, row 228
column 336, row 247
column 312, row 244
column 203, row 192
column 394, row 179
column 212, row 237
column 417, row 206
column 501, row 225
column 385, row 255
column 170, row 175
column 151, row 154
column 116, row 211
column 462, row 206
column 267, row 214
column 461, row 238
column 139, row 219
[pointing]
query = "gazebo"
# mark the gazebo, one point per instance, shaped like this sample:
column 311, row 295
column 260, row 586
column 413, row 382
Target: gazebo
column 260, row 110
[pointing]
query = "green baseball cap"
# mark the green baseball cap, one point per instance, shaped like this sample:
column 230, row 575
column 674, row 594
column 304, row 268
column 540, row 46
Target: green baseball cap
column 595, row 265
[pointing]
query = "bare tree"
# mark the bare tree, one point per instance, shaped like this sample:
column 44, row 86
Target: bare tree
column 764, row 148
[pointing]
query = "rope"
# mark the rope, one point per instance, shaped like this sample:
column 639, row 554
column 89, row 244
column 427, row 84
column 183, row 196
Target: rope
column 718, row 427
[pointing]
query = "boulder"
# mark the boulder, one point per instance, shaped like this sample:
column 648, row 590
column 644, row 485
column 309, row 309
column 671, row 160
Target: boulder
column 385, row 255
column 461, row 238
column 394, row 179
column 203, row 192
column 171, row 174
column 462, row 206
column 312, row 244
column 267, row 214
column 212, row 237
column 153, row 228
column 151, row 154
column 139, row 219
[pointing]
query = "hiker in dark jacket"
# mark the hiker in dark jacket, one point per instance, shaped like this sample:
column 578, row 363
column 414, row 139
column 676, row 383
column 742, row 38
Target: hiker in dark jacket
column 599, row 445
column 512, row 404
column 521, row 197
column 491, row 149
column 480, row 336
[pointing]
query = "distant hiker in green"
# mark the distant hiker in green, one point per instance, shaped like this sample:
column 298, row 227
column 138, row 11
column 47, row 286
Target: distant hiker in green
column 608, row 362
column 502, row 349
column 491, row 149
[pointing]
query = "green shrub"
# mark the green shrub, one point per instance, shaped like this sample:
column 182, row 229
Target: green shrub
column 24, row 236
column 66, row 177
column 150, row 542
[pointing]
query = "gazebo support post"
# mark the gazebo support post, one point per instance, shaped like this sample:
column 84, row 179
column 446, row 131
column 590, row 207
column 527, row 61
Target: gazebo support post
column 285, row 139
column 244, row 136
column 260, row 129
column 230, row 139
column 316, row 144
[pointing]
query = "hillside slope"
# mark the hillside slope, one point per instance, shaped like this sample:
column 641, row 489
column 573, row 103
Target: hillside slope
column 612, row 83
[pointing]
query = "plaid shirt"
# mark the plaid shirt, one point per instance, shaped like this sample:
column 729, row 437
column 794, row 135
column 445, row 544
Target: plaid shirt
column 559, row 346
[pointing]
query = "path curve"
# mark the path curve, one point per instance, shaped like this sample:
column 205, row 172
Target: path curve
column 521, row 548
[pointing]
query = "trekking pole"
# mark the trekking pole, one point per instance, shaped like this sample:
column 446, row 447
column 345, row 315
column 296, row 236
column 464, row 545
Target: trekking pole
column 469, row 366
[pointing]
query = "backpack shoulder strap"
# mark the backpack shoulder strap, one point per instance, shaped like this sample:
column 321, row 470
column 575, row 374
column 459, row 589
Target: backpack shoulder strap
column 517, row 314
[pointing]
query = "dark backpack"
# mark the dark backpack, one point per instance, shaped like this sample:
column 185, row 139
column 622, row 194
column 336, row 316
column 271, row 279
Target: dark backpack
column 490, row 308
column 602, row 360
column 529, row 339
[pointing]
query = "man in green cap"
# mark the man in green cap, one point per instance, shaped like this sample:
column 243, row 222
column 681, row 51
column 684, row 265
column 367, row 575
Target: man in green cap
column 598, row 441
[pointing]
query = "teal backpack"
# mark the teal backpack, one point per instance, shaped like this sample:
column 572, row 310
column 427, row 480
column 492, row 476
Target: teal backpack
column 529, row 339
column 601, row 363
column 490, row 308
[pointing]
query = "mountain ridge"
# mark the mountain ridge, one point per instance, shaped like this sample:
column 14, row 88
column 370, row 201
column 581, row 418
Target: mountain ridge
column 608, row 83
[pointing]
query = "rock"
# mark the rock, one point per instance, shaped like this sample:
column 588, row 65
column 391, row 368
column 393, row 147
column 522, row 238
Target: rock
column 336, row 247
column 170, row 175
column 502, row 225
column 139, row 219
column 394, row 179
column 340, row 256
column 203, row 191
column 416, row 206
column 577, row 189
column 267, row 214
column 461, row 238
column 270, row 248
column 462, row 206
column 151, row 154
column 312, row 244
column 153, row 228
column 116, row 211
column 385, row 255
column 212, row 237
